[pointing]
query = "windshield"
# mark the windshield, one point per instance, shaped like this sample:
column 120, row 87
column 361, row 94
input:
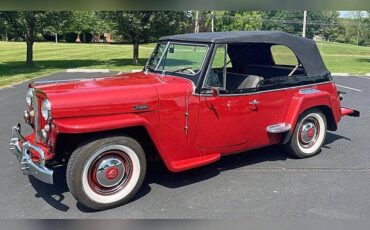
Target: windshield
column 183, row 59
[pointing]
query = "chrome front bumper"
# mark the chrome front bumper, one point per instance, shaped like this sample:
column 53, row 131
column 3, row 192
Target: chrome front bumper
column 28, row 167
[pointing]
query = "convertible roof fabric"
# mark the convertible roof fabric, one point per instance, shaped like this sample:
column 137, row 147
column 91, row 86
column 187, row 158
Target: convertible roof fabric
column 305, row 49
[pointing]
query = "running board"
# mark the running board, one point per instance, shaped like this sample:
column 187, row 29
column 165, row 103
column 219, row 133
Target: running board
column 186, row 164
column 278, row 128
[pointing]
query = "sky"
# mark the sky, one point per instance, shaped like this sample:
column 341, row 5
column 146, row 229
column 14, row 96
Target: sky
column 347, row 14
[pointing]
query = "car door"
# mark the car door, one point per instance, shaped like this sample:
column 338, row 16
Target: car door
column 224, row 119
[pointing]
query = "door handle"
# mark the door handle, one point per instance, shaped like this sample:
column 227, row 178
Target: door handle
column 254, row 102
column 253, row 105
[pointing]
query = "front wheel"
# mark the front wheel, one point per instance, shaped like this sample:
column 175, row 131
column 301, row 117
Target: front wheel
column 106, row 172
column 309, row 134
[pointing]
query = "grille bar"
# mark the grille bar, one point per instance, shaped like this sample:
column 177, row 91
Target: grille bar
column 35, row 104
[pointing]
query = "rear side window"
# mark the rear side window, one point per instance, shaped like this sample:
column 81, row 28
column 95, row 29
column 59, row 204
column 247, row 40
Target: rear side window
column 282, row 55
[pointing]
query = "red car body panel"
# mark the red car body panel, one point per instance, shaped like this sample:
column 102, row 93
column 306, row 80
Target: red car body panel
column 188, row 129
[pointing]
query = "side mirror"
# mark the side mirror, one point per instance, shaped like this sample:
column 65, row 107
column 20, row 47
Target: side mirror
column 215, row 91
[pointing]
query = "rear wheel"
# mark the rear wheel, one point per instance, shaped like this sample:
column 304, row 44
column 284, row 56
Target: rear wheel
column 309, row 134
column 106, row 172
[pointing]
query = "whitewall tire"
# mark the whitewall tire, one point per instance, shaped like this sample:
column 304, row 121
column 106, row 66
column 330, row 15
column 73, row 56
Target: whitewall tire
column 309, row 134
column 106, row 172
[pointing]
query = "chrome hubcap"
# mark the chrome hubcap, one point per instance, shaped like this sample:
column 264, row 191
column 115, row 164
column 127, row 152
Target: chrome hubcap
column 308, row 132
column 110, row 172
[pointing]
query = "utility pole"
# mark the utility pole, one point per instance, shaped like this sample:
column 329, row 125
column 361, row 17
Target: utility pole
column 196, row 29
column 6, row 32
column 56, row 37
column 213, row 20
column 304, row 23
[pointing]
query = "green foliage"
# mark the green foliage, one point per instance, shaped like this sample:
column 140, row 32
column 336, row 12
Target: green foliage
column 331, row 30
column 235, row 20
column 143, row 26
column 27, row 25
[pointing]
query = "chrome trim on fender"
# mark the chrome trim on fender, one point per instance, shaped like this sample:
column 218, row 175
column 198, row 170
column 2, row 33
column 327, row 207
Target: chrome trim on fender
column 27, row 166
column 308, row 91
column 278, row 128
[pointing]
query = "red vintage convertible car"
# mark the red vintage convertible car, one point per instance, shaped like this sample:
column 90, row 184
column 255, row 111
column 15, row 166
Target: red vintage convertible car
column 199, row 97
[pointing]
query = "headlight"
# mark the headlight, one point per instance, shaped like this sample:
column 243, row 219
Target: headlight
column 29, row 96
column 45, row 109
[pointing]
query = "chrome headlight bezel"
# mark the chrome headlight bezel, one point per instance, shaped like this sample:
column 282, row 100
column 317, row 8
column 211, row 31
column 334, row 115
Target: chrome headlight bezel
column 29, row 96
column 46, row 109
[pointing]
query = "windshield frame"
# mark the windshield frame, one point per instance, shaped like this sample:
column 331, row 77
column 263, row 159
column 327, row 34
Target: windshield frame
column 180, row 74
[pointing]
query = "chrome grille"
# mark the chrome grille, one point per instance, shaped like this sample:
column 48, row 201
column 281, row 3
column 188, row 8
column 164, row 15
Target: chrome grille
column 36, row 110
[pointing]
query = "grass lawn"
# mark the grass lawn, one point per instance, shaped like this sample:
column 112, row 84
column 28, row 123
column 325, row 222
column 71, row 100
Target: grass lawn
column 51, row 57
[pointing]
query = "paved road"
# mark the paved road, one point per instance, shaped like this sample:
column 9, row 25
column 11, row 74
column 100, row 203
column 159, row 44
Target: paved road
column 257, row 184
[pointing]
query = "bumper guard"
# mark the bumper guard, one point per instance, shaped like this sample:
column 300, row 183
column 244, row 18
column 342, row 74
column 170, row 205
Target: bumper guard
column 27, row 166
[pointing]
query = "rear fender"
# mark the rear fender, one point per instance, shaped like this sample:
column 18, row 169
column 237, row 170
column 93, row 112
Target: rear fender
column 301, row 102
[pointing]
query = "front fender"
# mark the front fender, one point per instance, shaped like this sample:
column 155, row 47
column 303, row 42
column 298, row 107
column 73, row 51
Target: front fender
column 99, row 123
column 91, row 124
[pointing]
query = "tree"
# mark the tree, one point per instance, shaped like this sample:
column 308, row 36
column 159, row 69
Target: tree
column 26, row 24
column 58, row 24
column 288, row 21
column 331, row 28
column 236, row 20
column 358, row 24
column 141, row 26
column 83, row 22
column 292, row 22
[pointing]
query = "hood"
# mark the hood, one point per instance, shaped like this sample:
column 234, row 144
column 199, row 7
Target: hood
column 125, row 93
column 133, row 92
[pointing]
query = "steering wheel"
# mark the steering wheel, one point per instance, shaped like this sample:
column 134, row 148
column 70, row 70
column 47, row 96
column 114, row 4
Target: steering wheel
column 189, row 70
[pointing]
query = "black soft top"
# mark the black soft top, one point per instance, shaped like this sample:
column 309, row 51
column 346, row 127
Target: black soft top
column 305, row 49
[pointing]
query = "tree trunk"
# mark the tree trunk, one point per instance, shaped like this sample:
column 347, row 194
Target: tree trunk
column 84, row 37
column 136, row 53
column 29, row 59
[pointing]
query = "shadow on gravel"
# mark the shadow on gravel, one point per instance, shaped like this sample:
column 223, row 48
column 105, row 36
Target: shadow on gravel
column 158, row 174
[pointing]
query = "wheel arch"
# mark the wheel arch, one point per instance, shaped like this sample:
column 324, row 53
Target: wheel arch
column 300, row 105
column 139, row 133
column 331, row 125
